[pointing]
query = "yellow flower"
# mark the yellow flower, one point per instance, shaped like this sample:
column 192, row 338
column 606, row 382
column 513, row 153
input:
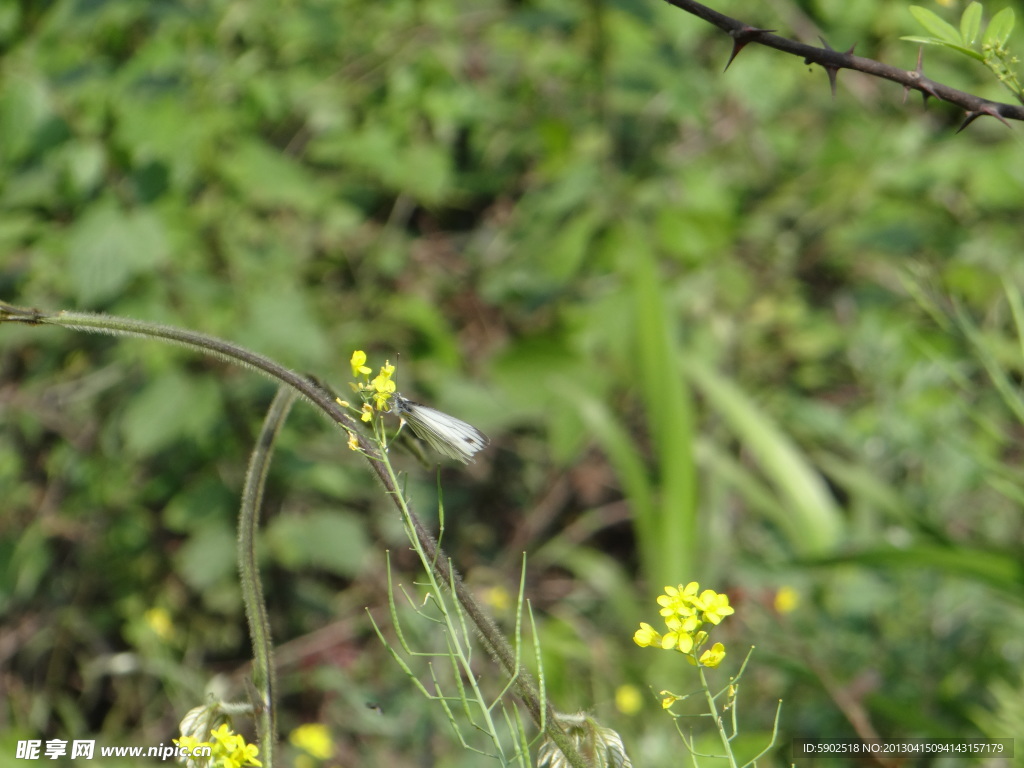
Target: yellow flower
column 668, row 699
column 787, row 600
column 159, row 620
column 678, row 600
column 680, row 641
column 383, row 387
column 367, row 412
column 231, row 751
column 713, row 656
column 688, row 624
column 497, row 598
column 190, row 743
column 313, row 738
column 358, row 363
column 353, row 441
column 224, row 735
column 716, row 606
column 628, row 699
column 245, row 755
column 685, row 613
column 646, row 636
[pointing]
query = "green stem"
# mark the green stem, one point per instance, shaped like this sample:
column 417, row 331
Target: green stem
column 713, row 709
column 493, row 640
column 264, row 678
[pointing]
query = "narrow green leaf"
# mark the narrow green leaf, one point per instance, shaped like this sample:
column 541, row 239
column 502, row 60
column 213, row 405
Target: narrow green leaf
column 970, row 24
column 999, row 570
column 944, row 44
column 924, row 40
column 935, row 24
column 815, row 523
column 965, row 51
column 667, row 404
column 999, row 29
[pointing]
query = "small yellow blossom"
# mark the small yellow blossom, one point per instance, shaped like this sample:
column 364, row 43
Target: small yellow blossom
column 367, row 412
column 313, row 738
column 358, row 363
column 628, row 699
column 689, row 624
column 787, row 600
column 713, row 656
column 383, row 384
column 224, row 735
column 668, row 699
column 678, row 600
column 190, row 743
column 716, row 606
column 646, row 636
column 353, row 441
column 230, row 749
column 680, row 641
column 383, row 387
column 159, row 620
column 497, row 598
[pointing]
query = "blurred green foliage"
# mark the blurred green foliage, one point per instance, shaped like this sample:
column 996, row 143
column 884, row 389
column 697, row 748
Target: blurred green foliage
column 720, row 327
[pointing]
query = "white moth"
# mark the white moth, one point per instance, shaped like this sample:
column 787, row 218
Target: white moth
column 447, row 435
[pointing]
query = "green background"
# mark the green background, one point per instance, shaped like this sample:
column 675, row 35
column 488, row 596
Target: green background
column 719, row 327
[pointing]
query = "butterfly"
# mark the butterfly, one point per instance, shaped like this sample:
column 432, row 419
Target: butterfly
column 447, row 435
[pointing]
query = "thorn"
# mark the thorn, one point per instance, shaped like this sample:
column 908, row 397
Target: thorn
column 740, row 38
column 830, row 70
column 927, row 89
column 824, row 42
column 992, row 110
column 923, row 84
column 971, row 117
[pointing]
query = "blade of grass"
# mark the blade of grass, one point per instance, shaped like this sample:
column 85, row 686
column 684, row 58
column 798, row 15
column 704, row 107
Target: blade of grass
column 670, row 553
column 814, row 524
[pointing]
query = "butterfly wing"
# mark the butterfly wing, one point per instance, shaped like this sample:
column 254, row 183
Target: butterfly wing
column 447, row 435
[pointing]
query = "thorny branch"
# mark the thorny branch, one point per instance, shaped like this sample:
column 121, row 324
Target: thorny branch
column 832, row 61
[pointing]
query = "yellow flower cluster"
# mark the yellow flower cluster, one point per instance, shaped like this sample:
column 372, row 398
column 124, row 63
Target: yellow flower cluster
column 382, row 386
column 685, row 612
column 228, row 750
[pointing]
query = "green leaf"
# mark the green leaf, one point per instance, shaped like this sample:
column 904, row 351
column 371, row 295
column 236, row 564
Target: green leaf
column 998, row 570
column 108, row 246
column 25, row 106
column 944, row 44
column 168, row 409
column 970, row 24
column 269, row 178
column 814, row 524
column 328, row 539
column 207, row 559
column 999, row 28
column 942, row 29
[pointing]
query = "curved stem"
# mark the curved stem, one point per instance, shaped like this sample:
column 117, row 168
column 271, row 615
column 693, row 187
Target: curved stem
column 263, row 673
column 493, row 640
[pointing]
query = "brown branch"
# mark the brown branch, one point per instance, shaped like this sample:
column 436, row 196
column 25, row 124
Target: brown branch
column 833, row 61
